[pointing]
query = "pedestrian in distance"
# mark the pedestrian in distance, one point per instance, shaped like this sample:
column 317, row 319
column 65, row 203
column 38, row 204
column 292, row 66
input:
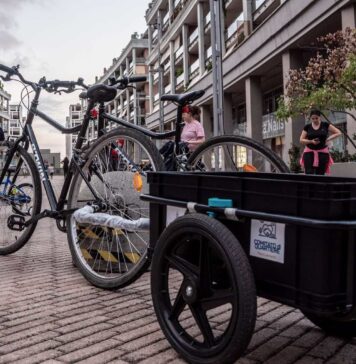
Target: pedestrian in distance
column 316, row 136
column 193, row 132
column 65, row 163
column 51, row 170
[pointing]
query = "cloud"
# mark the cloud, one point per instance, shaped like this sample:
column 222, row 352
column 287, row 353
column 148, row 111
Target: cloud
column 8, row 41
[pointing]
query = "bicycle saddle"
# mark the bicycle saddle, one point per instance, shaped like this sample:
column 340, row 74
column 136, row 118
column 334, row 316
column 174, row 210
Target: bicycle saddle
column 100, row 93
column 184, row 98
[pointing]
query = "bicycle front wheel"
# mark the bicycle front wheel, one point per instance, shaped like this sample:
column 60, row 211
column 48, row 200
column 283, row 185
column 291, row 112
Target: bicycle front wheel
column 116, row 166
column 234, row 153
column 20, row 200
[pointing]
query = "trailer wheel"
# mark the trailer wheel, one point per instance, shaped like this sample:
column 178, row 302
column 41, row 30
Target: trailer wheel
column 203, row 290
column 333, row 325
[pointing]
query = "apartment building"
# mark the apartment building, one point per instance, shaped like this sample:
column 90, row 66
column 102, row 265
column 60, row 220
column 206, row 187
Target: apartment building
column 130, row 103
column 262, row 41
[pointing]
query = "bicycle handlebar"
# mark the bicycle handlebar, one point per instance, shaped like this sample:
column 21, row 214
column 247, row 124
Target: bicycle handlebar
column 123, row 82
column 8, row 70
column 49, row 86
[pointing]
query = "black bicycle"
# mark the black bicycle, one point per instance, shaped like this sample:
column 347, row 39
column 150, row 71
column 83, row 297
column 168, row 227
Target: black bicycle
column 110, row 174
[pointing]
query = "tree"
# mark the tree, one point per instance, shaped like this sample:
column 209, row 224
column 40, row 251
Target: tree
column 328, row 82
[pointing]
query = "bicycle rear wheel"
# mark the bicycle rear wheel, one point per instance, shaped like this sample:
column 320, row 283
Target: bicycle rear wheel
column 20, row 200
column 116, row 165
column 234, row 153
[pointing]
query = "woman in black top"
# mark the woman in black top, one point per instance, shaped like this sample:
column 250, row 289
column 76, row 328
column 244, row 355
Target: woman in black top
column 315, row 136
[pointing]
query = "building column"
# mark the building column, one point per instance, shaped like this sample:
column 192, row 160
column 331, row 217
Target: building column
column 185, row 54
column 348, row 19
column 134, row 61
column 170, row 9
column 222, row 22
column 206, row 121
column 247, row 11
column 135, row 102
column 173, row 67
column 150, row 38
column 160, row 22
column 228, row 127
column 254, row 108
column 150, row 84
column 293, row 126
column 201, row 38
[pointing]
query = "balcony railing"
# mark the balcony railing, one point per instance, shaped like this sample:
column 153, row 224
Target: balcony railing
column 166, row 20
column 179, row 52
column 207, row 19
column 156, row 97
column 180, row 79
column 140, row 60
column 177, row 2
column 193, row 36
column 241, row 129
column 193, row 68
column 167, row 89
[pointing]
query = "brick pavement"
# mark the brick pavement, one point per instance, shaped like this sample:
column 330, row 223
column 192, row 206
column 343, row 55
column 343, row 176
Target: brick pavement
column 50, row 314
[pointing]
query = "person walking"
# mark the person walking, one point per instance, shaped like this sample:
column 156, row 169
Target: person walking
column 51, row 170
column 316, row 136
column 65, row 163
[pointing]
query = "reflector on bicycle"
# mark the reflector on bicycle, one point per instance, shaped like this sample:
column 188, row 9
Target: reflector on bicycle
column 137, row 181
column 249, row 168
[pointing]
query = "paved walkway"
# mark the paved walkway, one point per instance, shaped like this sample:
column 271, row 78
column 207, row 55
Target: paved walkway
column 49, row 313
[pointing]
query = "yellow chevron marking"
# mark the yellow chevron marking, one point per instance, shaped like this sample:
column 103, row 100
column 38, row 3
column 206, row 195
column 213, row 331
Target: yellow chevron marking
column 133, row 257
column 90, row 234
column 106, row 255
column 86, row 254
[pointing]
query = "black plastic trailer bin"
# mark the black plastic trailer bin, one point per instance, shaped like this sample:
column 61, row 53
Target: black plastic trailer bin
column 288, row 238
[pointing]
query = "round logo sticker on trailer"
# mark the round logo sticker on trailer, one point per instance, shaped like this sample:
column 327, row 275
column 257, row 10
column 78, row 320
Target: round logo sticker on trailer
column 267, row 240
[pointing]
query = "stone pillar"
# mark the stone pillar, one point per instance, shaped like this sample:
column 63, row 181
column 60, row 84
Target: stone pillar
column 293, row 126
column 150, row 31
column 201, row 38
column 253, row 108
column 206, row 121
column 173, row 67
column 159, row 21
column 134, row 61
column 150, row 83
column 185, row 54
column 247, row 11
column 228, row 113
column 348, row 19
column 170, row 9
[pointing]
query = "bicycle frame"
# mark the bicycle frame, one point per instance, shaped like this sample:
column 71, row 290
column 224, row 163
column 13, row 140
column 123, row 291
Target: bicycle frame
column 28, row 137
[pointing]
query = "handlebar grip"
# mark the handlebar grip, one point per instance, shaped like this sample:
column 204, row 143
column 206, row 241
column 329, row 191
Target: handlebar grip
column 7, row 69
column 133, row 79
column 57, row 83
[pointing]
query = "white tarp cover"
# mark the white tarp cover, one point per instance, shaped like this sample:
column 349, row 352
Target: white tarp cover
column 86, row 215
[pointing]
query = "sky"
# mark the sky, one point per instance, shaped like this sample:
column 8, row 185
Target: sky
column 64, row 39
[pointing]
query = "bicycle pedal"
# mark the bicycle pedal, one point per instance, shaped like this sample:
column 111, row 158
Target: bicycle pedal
column 16, row 222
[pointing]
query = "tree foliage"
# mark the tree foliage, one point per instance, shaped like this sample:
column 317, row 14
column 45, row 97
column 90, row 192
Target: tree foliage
column 328, row 82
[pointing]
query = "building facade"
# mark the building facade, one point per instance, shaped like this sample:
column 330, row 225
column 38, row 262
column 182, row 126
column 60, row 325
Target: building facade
column 262, row 41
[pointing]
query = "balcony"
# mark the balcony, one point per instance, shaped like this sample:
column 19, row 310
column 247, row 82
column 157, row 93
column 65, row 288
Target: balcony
column 165, row 22
column 207, row 22
column 180, row 79
column 156, row 98
column 178, row 54
column 167, row 89
column 194, row 70
column 154, row 36
column 240, row 129
column 140, row 60
column 235, row 32
column 193, row 37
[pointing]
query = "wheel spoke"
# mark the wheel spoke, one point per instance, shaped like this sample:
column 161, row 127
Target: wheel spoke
column 179, row 304
column 187, row 269
column 203, row 323
column 219, row 298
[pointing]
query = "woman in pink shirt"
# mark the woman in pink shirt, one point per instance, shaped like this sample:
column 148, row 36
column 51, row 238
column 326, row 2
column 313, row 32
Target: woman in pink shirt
column 193, row 132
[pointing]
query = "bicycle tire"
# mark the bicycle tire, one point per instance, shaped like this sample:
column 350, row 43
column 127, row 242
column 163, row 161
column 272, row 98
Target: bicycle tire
column 21, row 237
column 201, row 279
column 116, row 258
column 249, row 149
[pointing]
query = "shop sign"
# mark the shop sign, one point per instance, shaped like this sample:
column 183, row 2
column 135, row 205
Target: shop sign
column 271, row 127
